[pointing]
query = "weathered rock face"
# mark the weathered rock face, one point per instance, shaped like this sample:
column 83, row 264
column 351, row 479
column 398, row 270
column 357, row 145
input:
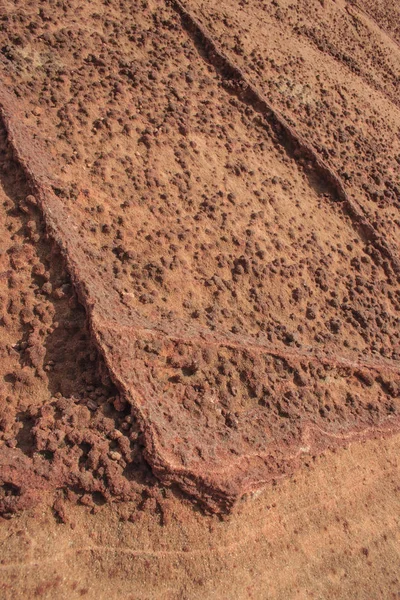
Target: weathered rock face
column 335, row 78
column 240, row 307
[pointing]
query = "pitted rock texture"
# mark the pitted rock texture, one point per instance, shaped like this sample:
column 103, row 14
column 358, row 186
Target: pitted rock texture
column 240, row 305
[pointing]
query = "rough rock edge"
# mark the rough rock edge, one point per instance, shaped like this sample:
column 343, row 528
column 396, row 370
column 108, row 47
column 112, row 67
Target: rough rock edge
column 35, row 163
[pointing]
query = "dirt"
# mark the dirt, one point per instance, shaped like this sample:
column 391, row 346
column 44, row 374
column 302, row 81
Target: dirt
column 200, row 298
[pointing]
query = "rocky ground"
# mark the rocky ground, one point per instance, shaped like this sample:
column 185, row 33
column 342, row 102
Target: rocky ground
column 200, row 299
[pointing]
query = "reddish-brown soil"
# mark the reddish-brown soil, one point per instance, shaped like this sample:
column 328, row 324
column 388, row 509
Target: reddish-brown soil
column 200, row 295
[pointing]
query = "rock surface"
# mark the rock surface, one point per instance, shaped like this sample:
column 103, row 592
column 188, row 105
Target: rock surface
column 199, row 274
column 239, row 305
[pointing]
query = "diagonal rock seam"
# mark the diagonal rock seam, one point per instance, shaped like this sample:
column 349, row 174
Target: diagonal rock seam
column 354, row 5
column 292, row 140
